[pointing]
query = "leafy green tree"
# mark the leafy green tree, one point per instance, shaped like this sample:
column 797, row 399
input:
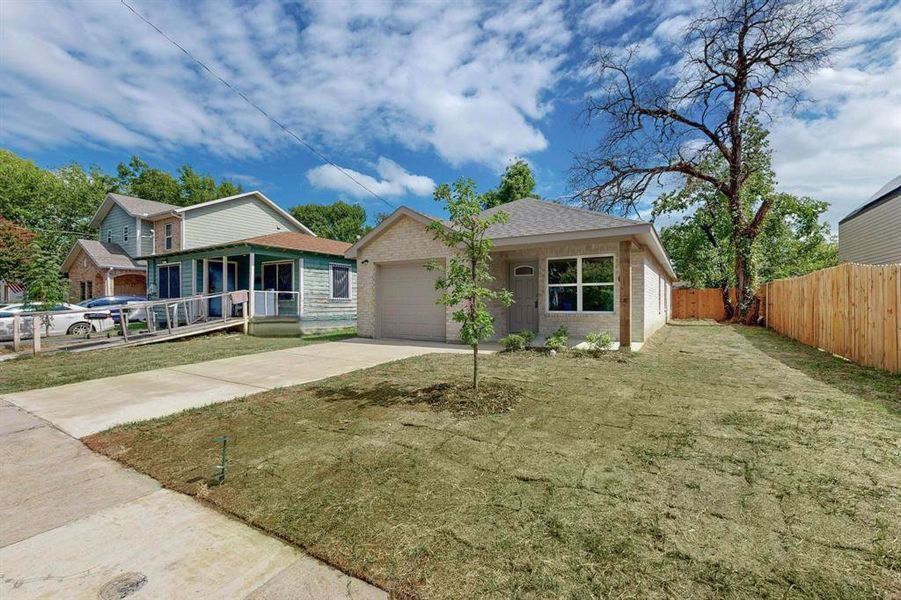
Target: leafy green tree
column 44, row 285
column 14, row 250
column 139, row 179
column 736, row 59
column 465, row 277
column 517, row 182
column 55, row 204
column 338, row 221
column 195, row 188
column 792, row 239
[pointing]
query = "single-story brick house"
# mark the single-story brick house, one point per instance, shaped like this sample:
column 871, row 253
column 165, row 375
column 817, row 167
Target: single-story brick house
column 565, row 266
column 98, row 268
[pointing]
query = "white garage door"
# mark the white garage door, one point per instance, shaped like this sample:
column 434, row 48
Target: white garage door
column 407, row 307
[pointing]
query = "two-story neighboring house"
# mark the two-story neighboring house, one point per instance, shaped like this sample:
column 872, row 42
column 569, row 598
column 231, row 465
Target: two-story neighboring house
column 108, row 266
column 240, row 242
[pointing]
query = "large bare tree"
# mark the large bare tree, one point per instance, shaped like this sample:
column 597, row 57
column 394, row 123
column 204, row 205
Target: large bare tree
column 739, row 58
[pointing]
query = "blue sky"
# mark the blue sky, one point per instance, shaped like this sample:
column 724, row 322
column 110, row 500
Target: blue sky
column 404, row 95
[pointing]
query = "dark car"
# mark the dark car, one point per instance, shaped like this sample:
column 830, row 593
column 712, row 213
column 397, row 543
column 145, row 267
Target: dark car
column 111, row 303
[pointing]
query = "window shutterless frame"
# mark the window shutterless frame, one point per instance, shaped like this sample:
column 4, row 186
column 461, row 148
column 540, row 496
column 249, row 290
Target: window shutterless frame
column 170, row 267
column 332, row 268
column 579, row 285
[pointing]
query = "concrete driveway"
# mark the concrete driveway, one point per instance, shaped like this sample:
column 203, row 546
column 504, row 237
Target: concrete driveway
column 75, row 524
column 87, row 407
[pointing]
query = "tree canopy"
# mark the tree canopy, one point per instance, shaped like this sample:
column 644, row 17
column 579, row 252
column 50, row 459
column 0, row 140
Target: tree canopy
column 516, row 183
column 139, row 179
column 339, row 221
column 792, row 241
column 737, row 58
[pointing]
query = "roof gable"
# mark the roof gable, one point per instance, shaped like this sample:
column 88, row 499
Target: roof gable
column 136, row 207
column 256, row 195
column 103, row 254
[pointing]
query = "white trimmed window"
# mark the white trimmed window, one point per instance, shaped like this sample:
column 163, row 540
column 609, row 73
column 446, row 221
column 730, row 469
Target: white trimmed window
column 582, row 284
column 339, row 282
column 125, row 234
column 167, row 237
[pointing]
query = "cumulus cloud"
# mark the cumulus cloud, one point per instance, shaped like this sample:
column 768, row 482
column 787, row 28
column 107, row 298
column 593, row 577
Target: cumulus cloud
column 465, row 80
column 842, row 143
column 392, row 181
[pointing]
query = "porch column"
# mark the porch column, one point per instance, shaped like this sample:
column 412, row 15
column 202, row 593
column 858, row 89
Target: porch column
column 251, row 273
column 625, row 294
column 108, row 283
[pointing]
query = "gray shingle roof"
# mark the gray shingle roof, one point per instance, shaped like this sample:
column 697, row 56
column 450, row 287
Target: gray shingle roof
column 109, row 255
column 138, row 207
column 538, row 217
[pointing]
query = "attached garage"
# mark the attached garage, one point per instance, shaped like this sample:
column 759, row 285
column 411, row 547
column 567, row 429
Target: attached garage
column 407, row 306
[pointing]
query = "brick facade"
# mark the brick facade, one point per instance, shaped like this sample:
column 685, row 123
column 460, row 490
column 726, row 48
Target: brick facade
column 83, row 272
column 408, row 240
column 159, row 235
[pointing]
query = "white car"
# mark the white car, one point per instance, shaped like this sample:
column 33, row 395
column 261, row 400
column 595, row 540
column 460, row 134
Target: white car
column 71, row 320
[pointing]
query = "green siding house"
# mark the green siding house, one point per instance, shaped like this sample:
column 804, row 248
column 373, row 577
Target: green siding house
column 300, row 283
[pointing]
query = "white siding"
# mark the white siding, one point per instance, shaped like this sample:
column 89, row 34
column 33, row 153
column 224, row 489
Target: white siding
column 230, row 221
column 873, row 237
column 656, row 296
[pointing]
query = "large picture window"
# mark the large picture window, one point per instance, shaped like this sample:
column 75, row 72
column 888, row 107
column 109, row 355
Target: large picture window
column 169, row 281
column 582, row 284
column 340, row 282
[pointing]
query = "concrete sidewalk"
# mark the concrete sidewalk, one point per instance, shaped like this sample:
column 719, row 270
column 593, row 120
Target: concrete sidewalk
column 75, row 524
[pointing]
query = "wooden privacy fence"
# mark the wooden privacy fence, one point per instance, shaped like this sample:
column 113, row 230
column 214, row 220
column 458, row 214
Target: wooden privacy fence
column 851, row 310
column 703, row 303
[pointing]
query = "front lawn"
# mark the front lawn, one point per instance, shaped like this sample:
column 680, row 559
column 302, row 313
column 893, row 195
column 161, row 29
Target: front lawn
column 47, row 370
column 718, row 462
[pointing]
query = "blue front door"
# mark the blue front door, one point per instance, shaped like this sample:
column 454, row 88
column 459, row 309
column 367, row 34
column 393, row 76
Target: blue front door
column 216, row 284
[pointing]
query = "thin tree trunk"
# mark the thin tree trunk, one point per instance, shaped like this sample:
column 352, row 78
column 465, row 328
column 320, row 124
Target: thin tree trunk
column 727, row 300
column 744, row 285
column 475, row 369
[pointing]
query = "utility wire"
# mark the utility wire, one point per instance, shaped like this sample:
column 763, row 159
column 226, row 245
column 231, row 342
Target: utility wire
column 278, row 123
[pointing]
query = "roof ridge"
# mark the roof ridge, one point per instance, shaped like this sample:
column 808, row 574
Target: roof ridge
column 565, row 206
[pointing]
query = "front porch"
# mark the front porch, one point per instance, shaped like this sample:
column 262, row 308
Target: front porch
column 292, row 291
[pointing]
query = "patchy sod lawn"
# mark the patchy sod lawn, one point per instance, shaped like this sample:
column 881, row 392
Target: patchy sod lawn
column 47, row 370
column 719, row 462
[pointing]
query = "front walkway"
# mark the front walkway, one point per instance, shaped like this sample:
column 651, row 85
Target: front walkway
column 75, row 524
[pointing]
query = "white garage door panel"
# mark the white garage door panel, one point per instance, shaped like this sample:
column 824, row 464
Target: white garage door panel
column 407, row 307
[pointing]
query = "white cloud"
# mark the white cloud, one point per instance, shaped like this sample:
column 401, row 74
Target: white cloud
column 465, row 80
column 393, row 181
column 842, row 144
column 846, row 142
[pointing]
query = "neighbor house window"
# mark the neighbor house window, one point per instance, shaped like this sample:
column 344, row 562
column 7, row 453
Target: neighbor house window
column 581, row 284
column 340, row 282
column 168, row 236
column 125, row 234
column 169, row 281
column 109, row 236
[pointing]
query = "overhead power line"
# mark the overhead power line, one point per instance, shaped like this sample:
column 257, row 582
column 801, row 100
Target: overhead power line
column 278, row 123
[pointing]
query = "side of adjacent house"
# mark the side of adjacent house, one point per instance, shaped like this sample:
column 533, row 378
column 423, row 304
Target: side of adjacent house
column 872, row 233
column 565, row 266
column 301, row 282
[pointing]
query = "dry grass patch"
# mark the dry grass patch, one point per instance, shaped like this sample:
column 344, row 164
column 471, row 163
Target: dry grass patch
column 718, row 462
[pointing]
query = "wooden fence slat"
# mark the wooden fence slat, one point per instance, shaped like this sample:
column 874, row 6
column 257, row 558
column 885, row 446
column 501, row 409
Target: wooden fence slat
column 851, row 310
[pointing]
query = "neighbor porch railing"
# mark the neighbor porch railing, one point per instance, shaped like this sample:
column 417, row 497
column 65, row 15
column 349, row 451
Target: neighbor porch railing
column 167, row 314
column 271, row 303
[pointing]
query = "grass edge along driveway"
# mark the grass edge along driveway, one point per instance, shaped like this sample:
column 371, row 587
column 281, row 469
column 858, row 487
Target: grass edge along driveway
column 42, row 371
column 719, row 462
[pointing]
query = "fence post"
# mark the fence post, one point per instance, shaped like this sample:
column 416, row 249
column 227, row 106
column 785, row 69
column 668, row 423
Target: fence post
column 246, row 312
column 17, row 332
column 35, row 335
column 168, row 318
column 123, row 324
